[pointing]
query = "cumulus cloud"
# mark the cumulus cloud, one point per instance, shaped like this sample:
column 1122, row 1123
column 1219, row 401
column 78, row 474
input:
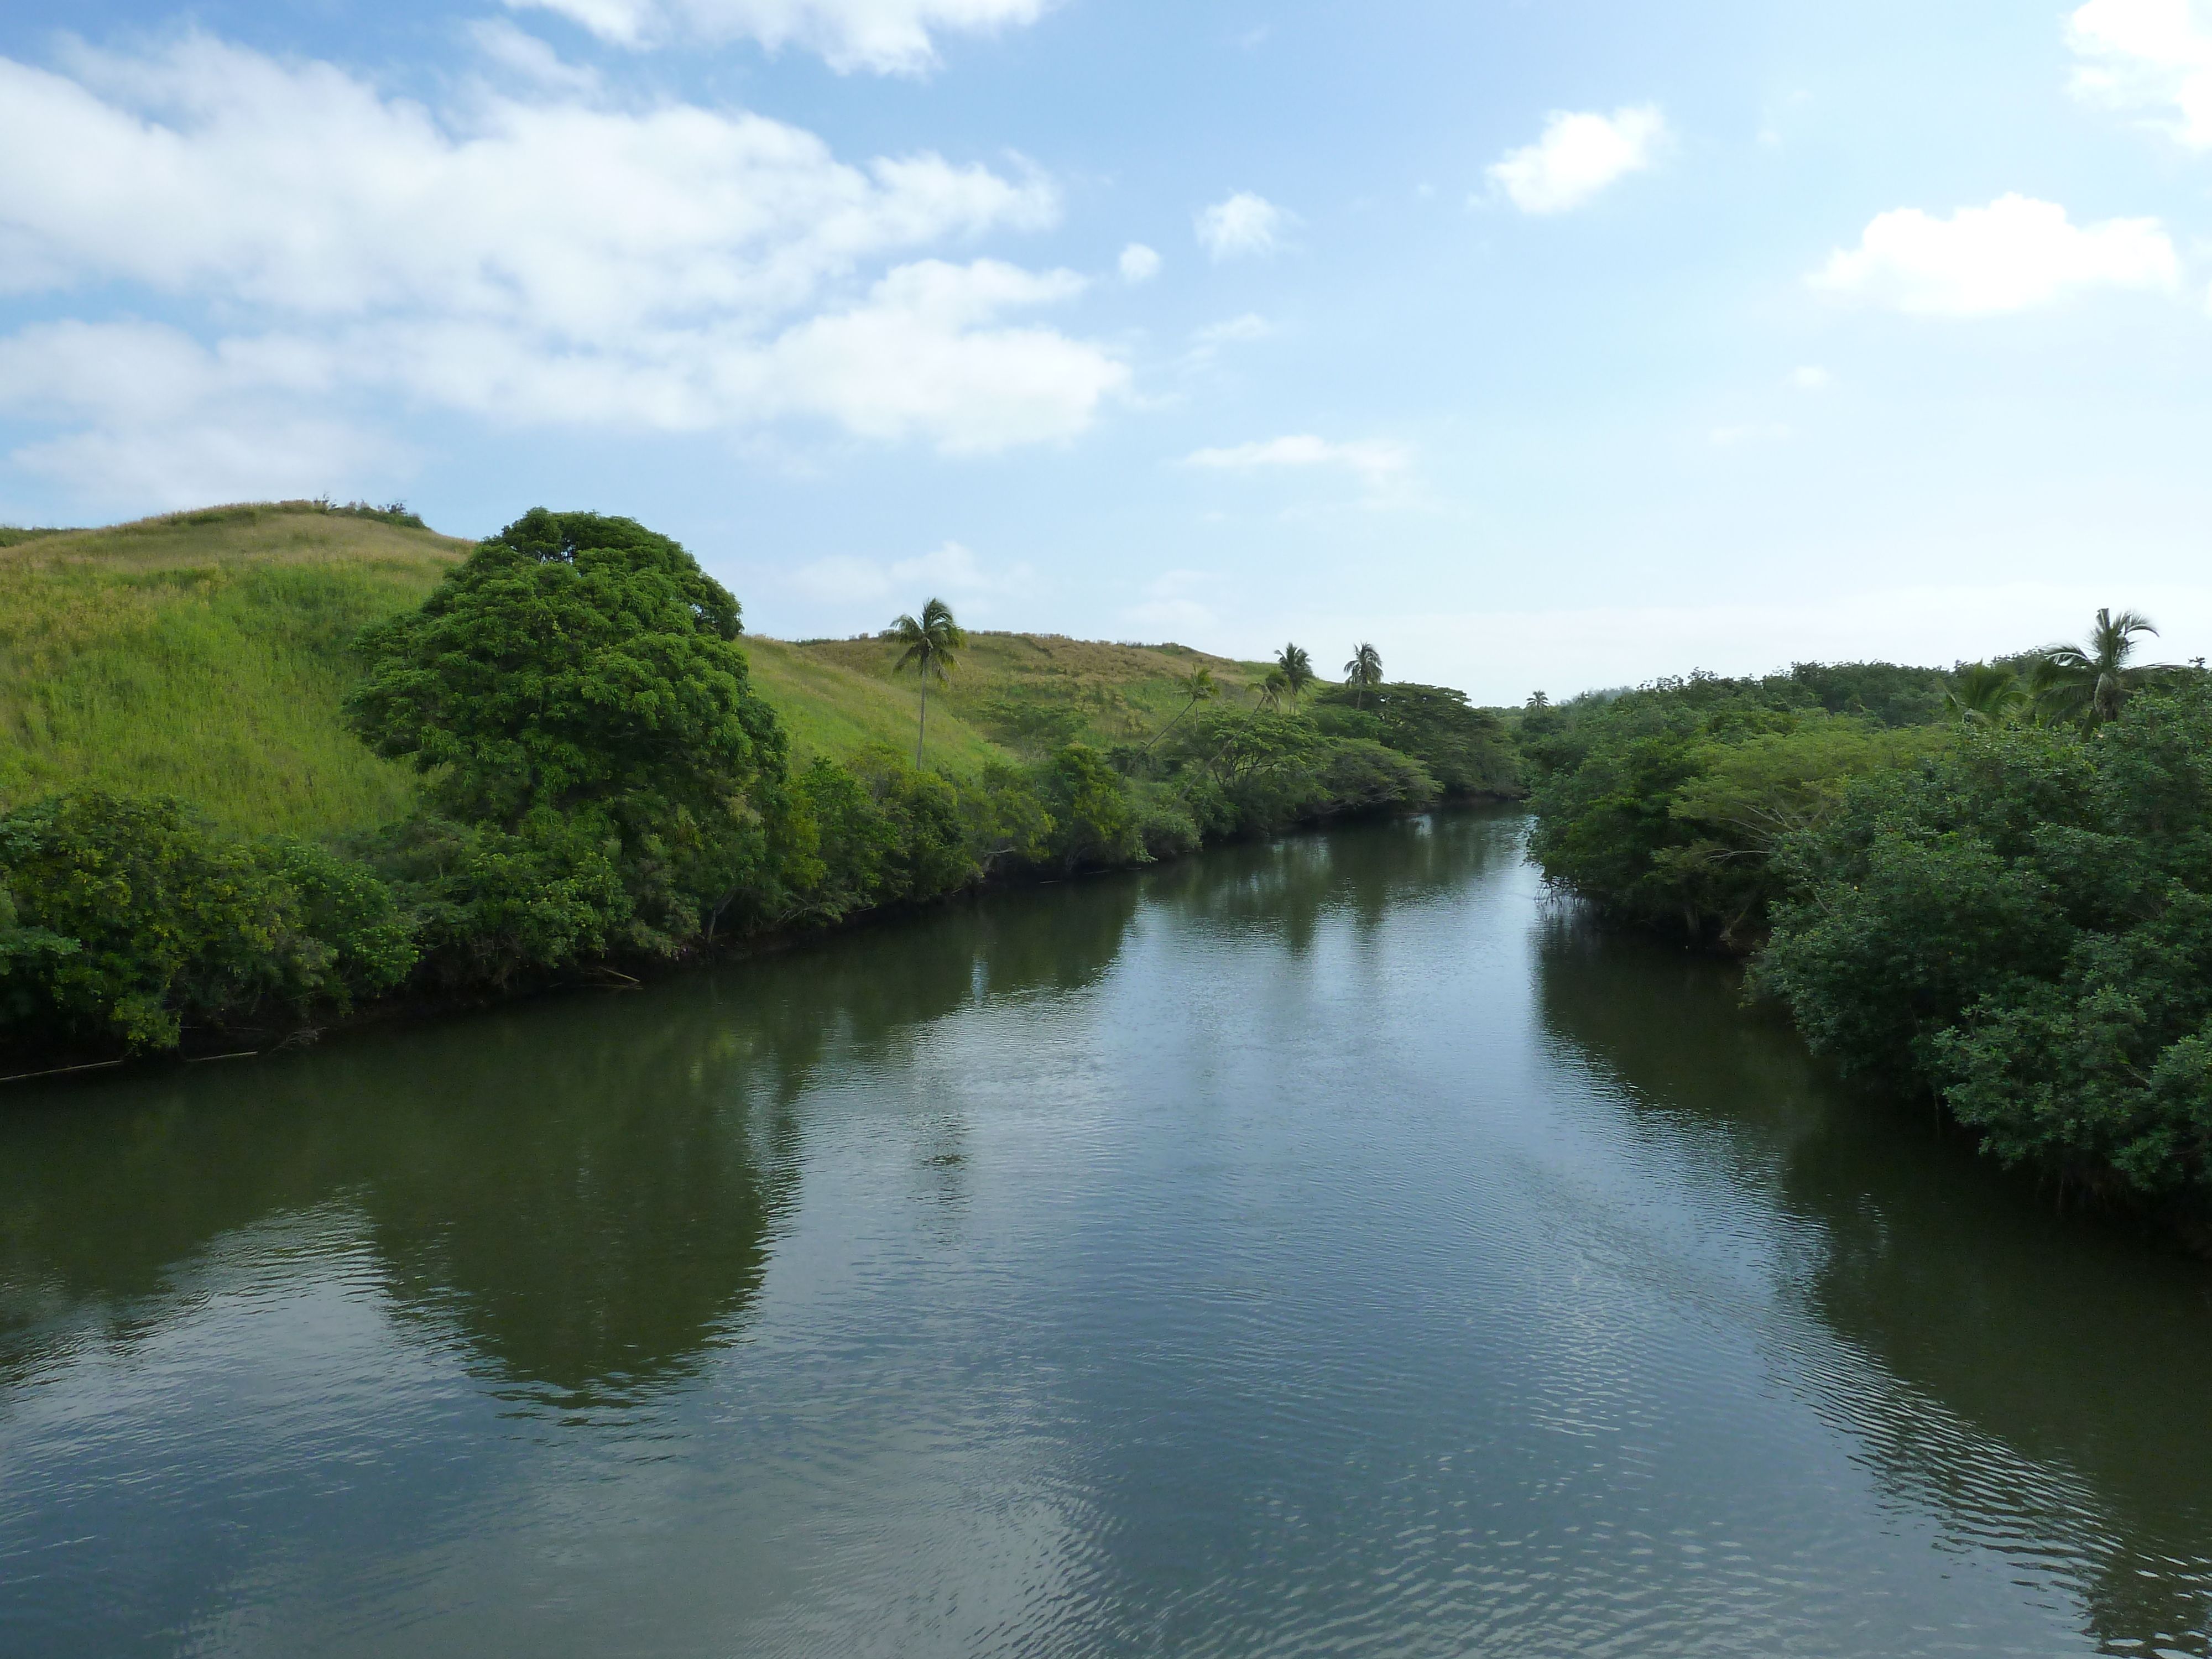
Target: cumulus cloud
column 1375, row 461
column 545, row 261
column 886, row 36
column 2013, row 255
column 1578, row 155
column 1243, row 224
column 2150, row 56
column 1138, row 263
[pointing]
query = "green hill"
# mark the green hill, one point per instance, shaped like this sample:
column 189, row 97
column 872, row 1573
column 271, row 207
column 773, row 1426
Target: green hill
column 206, row 654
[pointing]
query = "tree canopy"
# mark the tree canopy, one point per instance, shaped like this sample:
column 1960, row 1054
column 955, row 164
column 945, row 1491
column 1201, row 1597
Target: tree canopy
column 572, row 661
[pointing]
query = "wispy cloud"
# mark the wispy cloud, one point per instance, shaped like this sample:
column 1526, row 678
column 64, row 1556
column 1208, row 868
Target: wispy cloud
column 1243, row 225
column 890, row 36
column 1375, row 461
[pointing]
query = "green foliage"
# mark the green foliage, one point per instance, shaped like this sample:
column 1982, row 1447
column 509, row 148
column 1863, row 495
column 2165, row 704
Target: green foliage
column 1250, row 773
column 577, row 683
column 1363, row 672
column 1095, row 823
column 491, row 904
column 127, row 919
column 2088, row 684
column 1467, row 750
column 1665, row 807
column 2023, row 924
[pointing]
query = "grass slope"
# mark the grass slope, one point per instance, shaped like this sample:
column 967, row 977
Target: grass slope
column 206, row 654
column 1031, row 692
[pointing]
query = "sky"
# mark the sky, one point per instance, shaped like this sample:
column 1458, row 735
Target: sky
column 1546, row 346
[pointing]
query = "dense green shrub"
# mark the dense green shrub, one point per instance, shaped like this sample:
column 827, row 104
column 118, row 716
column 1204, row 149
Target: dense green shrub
column 126, row 919
column 490, row 904
column 1465, row 751
column 1096, row 825
column 1248, row 773
column 1665, row 807
column 2023, row 924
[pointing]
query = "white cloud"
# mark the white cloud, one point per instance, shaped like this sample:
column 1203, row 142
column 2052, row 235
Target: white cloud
column 1578, row 155
column 1375, row 461
column 539, row 261
column 886, row 36
column 1138, row 263
column 2148, row 55
column 1810, row 378
column 1243, row 224
column 2013, row 255
column 949, row 568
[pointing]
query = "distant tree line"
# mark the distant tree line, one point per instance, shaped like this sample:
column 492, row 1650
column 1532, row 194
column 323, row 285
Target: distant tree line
column 1992, row 884
column 603, row 786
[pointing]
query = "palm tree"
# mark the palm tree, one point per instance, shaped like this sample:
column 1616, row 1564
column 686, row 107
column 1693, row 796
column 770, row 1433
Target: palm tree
column 1198, row 685
column 1986, row 693
column 1363, row 672
column 1274, row 690
column 932, row 644
column 1296, row 669
column 2091, row 681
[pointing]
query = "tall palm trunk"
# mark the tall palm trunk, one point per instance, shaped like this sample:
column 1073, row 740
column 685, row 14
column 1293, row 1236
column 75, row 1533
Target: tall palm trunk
column 922, row 731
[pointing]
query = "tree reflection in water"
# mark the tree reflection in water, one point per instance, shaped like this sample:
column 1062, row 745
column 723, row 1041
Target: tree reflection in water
column 585, row 1188
column 2036, row 1380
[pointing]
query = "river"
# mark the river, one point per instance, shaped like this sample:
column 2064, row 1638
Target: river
column 1326, row 1247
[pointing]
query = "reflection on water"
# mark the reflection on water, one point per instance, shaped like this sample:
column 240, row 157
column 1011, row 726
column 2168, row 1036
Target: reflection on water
column 1329, row 1246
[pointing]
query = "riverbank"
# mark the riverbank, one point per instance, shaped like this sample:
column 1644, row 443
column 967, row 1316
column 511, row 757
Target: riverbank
column 568, row 758
column 633, row 972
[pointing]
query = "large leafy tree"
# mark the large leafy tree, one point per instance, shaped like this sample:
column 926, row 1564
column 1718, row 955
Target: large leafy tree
column 930, row 645
column 581, row 675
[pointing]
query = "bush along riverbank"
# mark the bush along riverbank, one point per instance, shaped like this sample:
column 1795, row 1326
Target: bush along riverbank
column 2006, row 908
column 603, row 788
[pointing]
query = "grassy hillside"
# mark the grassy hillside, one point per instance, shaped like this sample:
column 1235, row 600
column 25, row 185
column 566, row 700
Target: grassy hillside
column 1019, row 693
column 206, row 654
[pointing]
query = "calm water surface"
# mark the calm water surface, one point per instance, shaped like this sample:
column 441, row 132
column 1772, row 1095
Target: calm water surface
column 1327, row 1248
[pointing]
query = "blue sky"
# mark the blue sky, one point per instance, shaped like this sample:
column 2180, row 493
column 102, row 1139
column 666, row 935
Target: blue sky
column 1557, row 346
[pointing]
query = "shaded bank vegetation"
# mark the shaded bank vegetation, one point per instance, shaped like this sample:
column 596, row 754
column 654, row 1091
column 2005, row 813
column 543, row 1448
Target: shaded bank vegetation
column 601, row 784
column 1992, row 886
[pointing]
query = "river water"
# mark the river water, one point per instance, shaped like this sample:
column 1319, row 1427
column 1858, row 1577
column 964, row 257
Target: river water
column 1328, row 1247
